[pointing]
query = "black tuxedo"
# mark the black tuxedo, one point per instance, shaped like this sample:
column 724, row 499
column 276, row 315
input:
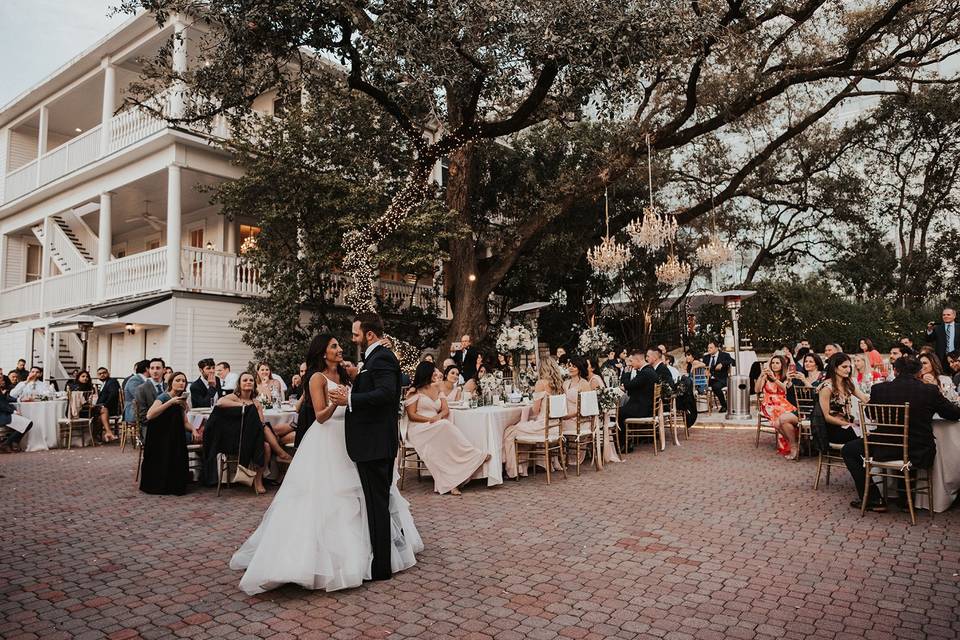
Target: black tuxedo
column 109, row 396
column 201, row 394
column 639, row 402
column 717, row 379
column 467, row 364
column 925, row 401
column 372, row 439
column 939, row 339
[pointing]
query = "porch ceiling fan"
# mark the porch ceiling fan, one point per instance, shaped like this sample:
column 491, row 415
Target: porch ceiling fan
column 148, row 217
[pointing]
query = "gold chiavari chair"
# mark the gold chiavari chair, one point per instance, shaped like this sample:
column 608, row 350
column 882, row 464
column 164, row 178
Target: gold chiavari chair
column 805, row 397
column 638, row 428
column 72, row 422
column 551, row 442
column 763, row 424
column 407, row 457
column 583, row 434
column 886, row 430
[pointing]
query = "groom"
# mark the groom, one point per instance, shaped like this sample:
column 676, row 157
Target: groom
column 371, row 432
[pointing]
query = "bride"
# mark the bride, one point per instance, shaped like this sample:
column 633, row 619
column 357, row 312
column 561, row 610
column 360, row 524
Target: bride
column 315, row 532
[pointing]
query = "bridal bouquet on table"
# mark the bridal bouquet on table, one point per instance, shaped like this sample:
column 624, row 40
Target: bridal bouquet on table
column 594, row 341
column 610, row 397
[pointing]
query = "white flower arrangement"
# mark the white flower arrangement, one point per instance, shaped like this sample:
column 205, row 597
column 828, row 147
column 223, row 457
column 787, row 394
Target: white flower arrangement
column 491, row 385
column 515, row 338
column 594, row 341
column 610, row 397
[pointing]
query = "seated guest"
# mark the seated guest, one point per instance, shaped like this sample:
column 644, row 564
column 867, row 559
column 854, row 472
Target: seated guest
column 130, row 387
column 450, row 385
column 228, row 379
column 297, row 382
column 33, row 385
column 89, row 406
column 831, row 348
column 206, row 389
column 164, row 470
column 448, row 454
column 613, row 362
column 669, row 361
column 504, row 363
column 691, row 362
column 931, row 372
column 11, row 419
column 13, row 378
column 773, row 384
column 267, row 386
column 863, row 375
column 907, row 342
column 240, row 421
column 953, row 365
column 472, row 386
column 835, row 396
column 810, row 372
column 575, row 384
column 592, row 375
column 896, row 352
column 73, row 383
column 874, row 359
column 655, row 360
column 718, row 372
column 21, row 370
column 925, row 401
column 109, row 395
column 549, row 383
column 167, row 374
column 638, row 383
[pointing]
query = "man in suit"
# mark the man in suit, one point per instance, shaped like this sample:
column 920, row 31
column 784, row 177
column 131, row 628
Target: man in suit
column 371, row 432
column 466, row 358
column 109, row 392
column 718, row 371
column 205, row 390
column 654, row 359
column 944, row 336
column 925, row 401
column 638, row 383
column 147, row 392
column 130, row 387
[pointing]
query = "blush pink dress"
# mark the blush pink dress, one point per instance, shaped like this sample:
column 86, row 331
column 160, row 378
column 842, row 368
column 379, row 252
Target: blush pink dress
column 533, row 426
column 449, row 456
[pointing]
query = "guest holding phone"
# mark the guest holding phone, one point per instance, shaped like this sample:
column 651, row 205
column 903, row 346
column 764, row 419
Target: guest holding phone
column 164, row 470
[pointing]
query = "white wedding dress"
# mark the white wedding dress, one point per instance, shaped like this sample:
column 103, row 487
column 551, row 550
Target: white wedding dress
column 315, row 532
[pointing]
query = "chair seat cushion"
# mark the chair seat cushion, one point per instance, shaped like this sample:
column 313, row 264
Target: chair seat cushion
column 888, row 464
column 641, row 421
column 572, row 433
column 537, row 439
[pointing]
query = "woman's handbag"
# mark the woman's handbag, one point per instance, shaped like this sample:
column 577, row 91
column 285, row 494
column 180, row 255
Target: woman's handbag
column 243, row 475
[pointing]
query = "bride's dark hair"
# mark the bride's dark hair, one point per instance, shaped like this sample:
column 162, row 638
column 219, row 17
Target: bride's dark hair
column 423, row 376
column 317, row 359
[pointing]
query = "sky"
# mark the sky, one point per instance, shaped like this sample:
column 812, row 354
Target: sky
column 37, row 37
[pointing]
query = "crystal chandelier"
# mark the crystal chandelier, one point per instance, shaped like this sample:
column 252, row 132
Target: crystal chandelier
column 609, row 257
column 657, row 228
column 715, row 252
column 674, row 271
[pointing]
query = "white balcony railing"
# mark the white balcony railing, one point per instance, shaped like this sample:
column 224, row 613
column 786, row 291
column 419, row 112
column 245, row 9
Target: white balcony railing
column 70, row 290
column 130, row 126
column 20, row 181
column 139, row 273
column 23, row 300
column 206, row 270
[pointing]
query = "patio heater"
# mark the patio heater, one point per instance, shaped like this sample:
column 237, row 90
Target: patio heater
column 738, row 385
column 85, row 327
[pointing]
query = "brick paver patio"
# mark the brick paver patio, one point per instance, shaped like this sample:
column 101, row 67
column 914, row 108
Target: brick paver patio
column 712, row 540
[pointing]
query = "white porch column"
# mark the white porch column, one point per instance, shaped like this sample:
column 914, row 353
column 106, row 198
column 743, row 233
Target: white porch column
column 230, row 241
column 174, row 226
column 44, row 264
column 47, row 353
column 109, row 104
column 104, row 242
column 179, row 55
column 42, row 138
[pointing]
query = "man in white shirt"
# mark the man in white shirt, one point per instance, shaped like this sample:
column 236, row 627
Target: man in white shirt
column 33, row 385
column 228, row 379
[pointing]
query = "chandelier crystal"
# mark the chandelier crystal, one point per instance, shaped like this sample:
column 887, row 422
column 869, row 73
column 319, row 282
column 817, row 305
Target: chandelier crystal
column 609, row 257
column 674, row 271
column 657, row 228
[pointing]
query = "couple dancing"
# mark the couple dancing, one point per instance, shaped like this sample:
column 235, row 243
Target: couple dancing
column 338, row 518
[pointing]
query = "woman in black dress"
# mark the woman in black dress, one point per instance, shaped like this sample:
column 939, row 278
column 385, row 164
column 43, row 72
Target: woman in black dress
column 165, row 470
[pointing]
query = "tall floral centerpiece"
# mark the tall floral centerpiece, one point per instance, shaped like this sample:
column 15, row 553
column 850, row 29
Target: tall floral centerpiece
column 517, row 340
column 594, row 341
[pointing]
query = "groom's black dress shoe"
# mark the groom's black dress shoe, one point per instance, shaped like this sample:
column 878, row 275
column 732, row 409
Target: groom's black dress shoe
column 877, row 506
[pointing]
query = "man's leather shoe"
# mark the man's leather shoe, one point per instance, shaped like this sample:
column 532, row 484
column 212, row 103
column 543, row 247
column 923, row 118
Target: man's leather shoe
column 875, row 506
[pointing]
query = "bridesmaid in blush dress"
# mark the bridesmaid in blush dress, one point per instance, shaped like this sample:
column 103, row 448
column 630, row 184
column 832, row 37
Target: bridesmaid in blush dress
column 449, row 456
column 549, row 383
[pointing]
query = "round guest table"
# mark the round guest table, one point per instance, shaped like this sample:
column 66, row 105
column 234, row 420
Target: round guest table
column 44, row 414
column 484, row 427
column 945, row 473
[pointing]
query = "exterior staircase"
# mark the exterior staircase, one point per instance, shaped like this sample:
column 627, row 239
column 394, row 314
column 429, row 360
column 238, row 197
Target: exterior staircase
column 72, row 243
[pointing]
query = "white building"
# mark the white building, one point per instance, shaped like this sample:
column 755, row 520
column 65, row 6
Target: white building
column 101, row 220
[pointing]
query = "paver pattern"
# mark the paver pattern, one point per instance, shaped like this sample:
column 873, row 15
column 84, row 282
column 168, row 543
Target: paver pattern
column 712, row 540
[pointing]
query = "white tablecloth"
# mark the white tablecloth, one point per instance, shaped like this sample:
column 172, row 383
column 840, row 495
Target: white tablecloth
column 44, row 415
column 945, row 473
column 484, row 427
column 273, row 416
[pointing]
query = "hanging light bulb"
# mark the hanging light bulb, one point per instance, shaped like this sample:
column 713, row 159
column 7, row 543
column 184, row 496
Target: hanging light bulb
column 609, row 257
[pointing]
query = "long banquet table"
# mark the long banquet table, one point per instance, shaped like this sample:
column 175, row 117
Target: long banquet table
column 44, row 414
column 484, row 427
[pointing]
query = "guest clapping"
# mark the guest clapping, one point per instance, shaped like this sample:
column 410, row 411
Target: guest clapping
column 447, row 453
